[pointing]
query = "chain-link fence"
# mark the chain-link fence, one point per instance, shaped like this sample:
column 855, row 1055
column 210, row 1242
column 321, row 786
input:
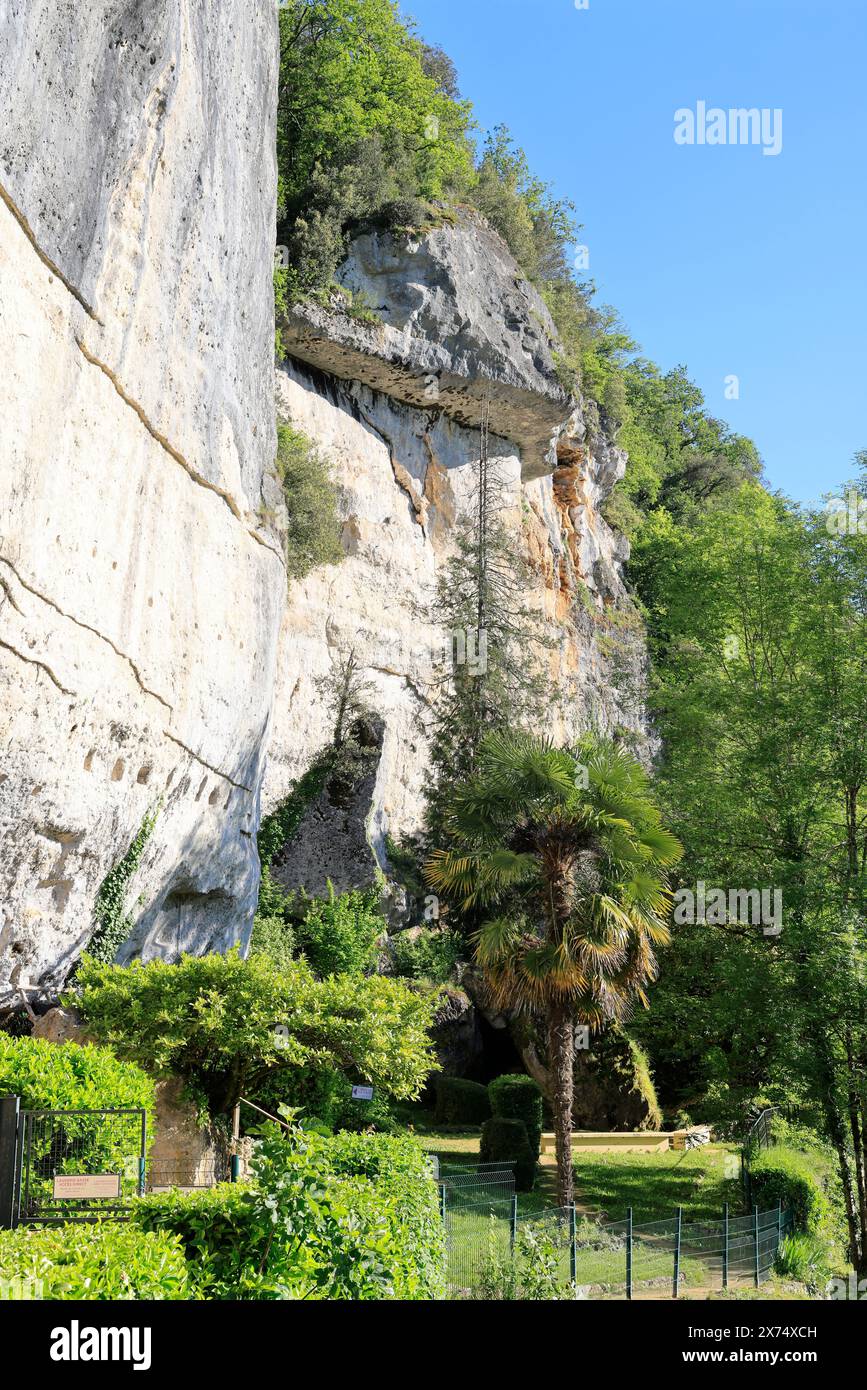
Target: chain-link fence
column 495, row 1252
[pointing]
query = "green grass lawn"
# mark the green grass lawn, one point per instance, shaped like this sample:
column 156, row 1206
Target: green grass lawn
column 700, row 1181
column 655, row 1185
column 478, row 1236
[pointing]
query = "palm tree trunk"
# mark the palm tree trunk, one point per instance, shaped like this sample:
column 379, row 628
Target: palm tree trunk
column 561, row 1057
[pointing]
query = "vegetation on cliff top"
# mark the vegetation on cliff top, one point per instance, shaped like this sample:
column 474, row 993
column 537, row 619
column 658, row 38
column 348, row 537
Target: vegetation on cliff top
column 372, row 130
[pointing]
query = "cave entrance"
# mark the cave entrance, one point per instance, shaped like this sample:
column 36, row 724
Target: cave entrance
column 498, row 1056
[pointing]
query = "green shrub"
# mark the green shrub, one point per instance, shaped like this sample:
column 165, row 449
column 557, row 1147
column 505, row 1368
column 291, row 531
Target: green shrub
column 338, row 934
column 354, row 1217
column 460, row 1102
column 432, row 955
column 389, row 1179
column 506, row 1142
column 376, row 1155
column 225, row 1024
column 804, row 1258
column 519, row 1098
column 398, row 1225
column 69, row 1076
column 313, row 532
column 780, row 1174
column 801, row 1137
column 535, row 1270
column 114, row 1262
column 216, row 1229
column 273, row 938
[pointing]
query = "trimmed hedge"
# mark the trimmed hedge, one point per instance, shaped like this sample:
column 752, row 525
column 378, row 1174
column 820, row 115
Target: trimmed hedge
column 216, row 1229
column 506, row 1142
column 519, row 1098
column 375, row 1156
column 69, row 1076
column 781, row 1174
column 112, row 1262
column 460, row 1102
column 357, row 1217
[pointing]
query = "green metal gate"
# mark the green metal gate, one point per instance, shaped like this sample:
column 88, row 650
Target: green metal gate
column 69, row 1165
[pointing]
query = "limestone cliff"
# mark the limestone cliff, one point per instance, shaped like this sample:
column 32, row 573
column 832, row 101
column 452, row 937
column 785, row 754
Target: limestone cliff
column 140, row 594
column 155, row 668
column 395, row 405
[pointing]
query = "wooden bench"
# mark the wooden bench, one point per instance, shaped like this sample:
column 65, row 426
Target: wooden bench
column 602, row 1141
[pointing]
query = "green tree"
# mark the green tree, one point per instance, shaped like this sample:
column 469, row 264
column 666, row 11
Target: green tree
column 577, row 875
column 226, row 1024
column 495, row 677
column 758, row 616
column 367, row 117
column 347, row 693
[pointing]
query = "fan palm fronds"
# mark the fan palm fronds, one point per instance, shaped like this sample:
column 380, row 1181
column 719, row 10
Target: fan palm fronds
column 568, row 852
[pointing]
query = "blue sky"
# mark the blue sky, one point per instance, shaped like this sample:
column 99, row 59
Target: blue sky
column 719, row 257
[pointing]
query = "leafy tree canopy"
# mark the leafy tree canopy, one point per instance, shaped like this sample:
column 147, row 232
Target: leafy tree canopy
column 225, row 1024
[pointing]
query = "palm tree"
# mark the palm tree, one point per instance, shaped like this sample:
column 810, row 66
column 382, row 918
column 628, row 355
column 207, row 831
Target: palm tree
column 567, row 853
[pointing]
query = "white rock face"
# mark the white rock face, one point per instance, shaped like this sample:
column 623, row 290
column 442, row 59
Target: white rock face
column 149, row 659
column 394, row 407
column 404, row 477
column 459, row 330
column 140, row 592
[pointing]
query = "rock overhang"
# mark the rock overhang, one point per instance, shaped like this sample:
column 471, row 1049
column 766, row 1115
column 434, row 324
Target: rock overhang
column 459, row 332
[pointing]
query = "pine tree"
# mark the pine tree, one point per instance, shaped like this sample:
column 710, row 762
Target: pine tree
column 494, row 678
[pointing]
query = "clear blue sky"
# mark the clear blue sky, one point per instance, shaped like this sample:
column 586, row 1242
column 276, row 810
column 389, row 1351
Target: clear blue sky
column 721, row 258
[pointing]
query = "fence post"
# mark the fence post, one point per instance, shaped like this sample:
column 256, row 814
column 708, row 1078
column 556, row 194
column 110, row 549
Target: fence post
column 725, row 1269
column 745, row 1179
column 443, row 1201
column 629, row 1252
column 235, row 1165
column 142, row 1161
column 756, row 1240
column 514, row 1222
column 9, row 1115
column 677, row 1252
column 779, row 1224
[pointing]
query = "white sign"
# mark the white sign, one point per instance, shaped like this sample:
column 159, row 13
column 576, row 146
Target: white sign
column 68, row 1186
column 362, row 1093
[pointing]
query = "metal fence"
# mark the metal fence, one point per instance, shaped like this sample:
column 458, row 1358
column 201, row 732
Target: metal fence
column 492, row 1250
column 760, row 1136
column 69, row 1165
column 466, row 1184
column 161, row 1178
